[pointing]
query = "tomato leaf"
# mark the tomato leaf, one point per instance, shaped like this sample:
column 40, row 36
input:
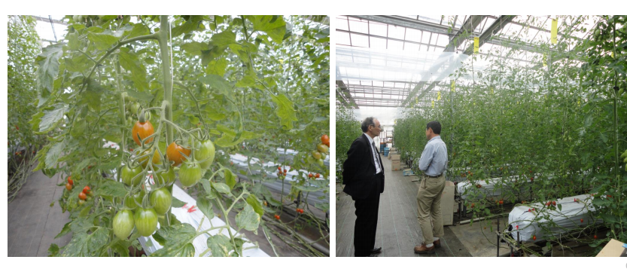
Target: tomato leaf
column 54, row 250
column 176, row 203
column 247, row 219
column 219, row 245
column 221, row 188
column 195, row 48
column 112, row 188
column 285, row 110
column 49, row 119
column 54, row 154
column 66, row 229
column 230, row 178
column 217, row 67
column 224, row 39
column 219, row 83
column 48, row 68
column 105, row 39
column 130, row 62
column 256, row 204
column 87, row 245
column 178, row 241
column 274, row 26
column 205, row 206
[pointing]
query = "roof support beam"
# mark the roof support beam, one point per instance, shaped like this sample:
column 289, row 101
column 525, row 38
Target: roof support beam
column 485, row 37
column 466, row 29
column 408, row 23
column 346, row 93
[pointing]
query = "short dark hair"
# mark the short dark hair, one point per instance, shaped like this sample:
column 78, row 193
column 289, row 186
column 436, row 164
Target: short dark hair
column 435, row 126
column 367, row 122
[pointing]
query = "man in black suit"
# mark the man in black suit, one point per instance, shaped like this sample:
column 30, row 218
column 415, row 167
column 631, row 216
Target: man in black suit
column 363, row 175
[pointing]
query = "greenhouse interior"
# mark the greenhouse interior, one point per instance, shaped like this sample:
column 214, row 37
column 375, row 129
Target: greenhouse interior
column 234, row 111
column 533, row 114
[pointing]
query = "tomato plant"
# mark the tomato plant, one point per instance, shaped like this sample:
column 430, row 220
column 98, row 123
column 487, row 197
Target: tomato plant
column 216, row 86
column 553, row 129
column 23, row 48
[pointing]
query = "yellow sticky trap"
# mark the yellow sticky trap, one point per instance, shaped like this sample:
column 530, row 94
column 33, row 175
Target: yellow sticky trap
column 544, row 60
column 439, row 95
column 579, row 101
column 491, row 90
column 416, row 100
column 517, row 102
column 281, row 61
column 433, row 104
column 476, row 45
column 613, row 54
column 554, row 31
column 453, row 86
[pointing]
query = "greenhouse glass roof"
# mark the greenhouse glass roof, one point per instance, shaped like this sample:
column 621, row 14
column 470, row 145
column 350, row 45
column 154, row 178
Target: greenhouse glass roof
column 387, row 61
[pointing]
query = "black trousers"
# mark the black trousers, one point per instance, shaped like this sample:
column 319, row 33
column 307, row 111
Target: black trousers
column 367, row 212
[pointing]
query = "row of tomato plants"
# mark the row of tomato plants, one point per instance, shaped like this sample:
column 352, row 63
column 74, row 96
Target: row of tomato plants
column 545, row 123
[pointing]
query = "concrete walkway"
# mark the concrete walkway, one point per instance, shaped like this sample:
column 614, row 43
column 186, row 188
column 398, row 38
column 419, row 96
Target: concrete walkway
column 398, row 231
column 33, row 223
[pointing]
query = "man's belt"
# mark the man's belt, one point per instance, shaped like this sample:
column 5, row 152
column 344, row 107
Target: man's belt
column 429, row 176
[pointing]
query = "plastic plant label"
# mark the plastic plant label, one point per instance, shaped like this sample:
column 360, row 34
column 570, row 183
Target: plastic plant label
column 476, row 44
column 554, row 31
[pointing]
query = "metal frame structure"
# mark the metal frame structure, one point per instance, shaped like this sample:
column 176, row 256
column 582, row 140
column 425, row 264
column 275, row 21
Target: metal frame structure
column 498, row 34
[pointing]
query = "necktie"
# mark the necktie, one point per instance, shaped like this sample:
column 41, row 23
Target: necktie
column 376, row 156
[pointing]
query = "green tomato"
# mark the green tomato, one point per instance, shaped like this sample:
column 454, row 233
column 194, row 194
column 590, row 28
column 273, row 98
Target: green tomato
column 146, row 221
column 132, row 202
column 322, row 148
column 131, row 176
column 166, row 177
column 161, row 200
column 316, row 155
column 122, row 224
column 190, row 173
column 205, row 153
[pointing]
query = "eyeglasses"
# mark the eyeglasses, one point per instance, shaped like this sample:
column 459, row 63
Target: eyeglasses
column 379, row 127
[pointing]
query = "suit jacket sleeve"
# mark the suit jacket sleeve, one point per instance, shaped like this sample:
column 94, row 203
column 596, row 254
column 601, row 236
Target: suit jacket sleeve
column 351, row 168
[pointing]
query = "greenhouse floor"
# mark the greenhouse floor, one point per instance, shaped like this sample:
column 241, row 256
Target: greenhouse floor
column 398, row 231
column 32, row 222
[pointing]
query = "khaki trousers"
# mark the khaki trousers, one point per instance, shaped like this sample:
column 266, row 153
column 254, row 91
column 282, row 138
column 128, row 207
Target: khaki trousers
column 429, row 207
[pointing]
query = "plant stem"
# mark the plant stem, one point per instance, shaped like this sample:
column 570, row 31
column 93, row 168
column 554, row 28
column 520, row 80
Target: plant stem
column 166, row 64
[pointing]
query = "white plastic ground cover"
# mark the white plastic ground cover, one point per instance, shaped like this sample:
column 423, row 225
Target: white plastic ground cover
column 488, row 189
column 575, row 213
column 194, row 218
column 240, row 161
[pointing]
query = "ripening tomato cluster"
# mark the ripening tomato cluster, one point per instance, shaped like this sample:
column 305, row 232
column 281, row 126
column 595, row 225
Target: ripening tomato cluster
column 299, row 210
column 282, row 173
column 83, row 195
column 314, row 176
column 322, row 148
column 135, row 213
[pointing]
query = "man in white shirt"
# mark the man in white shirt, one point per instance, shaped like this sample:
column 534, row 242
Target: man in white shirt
column 433, row 163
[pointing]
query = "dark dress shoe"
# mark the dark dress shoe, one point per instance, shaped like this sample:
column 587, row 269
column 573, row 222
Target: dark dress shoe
column 376, row 250
column 422, row 249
